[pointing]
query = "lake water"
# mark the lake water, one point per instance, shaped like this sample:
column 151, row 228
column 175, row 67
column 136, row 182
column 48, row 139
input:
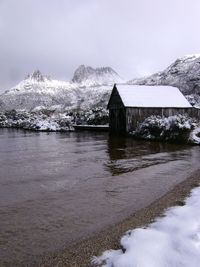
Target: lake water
column 56, row 188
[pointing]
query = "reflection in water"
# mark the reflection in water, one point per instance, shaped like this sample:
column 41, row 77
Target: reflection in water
column 56, row 188
column 128, row 155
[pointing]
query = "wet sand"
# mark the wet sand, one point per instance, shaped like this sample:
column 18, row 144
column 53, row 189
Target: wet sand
column 80, row 254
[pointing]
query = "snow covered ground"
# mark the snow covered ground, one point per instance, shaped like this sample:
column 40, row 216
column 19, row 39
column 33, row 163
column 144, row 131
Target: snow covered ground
column 171, row 241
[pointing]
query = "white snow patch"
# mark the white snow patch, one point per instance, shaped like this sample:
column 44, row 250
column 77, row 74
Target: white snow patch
column 44, row 125
column 195, row 136
column 152, row 96
column 172, row 241
column 192, row 56
column 38, row 108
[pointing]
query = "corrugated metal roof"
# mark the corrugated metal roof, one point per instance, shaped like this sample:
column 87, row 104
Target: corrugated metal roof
column 152, row 96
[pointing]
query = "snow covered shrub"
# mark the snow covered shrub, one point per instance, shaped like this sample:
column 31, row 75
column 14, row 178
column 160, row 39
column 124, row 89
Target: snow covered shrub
column 11, row 114
column 95, row 116
column 195, row 136
column 174, row 128
column 43, row 111
column 98, row 116
column 35, row 121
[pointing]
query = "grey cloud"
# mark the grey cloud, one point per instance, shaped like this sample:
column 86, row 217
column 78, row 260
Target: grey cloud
column 133, row 37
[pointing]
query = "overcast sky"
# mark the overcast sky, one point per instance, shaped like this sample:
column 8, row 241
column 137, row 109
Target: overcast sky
column 134, row 37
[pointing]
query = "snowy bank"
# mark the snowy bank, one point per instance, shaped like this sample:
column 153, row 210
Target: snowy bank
column 195, row 136
column 35, row 121
column 43, row 119
column 178, row 128
column 173, row 240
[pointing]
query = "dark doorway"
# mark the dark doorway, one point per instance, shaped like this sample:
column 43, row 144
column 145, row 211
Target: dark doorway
column 118, row 121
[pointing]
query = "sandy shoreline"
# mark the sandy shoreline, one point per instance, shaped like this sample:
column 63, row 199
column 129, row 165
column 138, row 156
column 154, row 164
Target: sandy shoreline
column 79, row 255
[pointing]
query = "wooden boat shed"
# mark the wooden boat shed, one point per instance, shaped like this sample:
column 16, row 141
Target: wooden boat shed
column 129, row 105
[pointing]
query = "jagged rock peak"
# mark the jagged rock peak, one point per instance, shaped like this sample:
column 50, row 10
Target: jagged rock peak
column 37, row 76
column 184, row 73
column 83, row 73
column 191, row 57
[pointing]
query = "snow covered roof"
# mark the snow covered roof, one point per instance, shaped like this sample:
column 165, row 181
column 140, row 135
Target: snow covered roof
column 152, row 96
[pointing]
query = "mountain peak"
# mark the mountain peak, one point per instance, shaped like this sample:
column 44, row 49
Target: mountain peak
column 183, row 73
column 95, row 76
column 37, row 76
column 81, row 73
column 191, row 57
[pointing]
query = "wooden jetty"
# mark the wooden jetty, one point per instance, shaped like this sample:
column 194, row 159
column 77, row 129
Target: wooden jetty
column 100, row 128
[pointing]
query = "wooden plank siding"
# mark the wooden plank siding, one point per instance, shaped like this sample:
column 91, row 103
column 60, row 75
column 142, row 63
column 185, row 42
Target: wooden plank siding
column 125, row 119
column 117, row 113
column 117, row 120
column 135, row 115
column 115, row 101
column 195, row 113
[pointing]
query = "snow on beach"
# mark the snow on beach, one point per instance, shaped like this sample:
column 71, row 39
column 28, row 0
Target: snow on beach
column 171, row 241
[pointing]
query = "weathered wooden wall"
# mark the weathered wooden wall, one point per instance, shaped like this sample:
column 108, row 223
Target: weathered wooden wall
column 115, row 101
column 126, row 119
column 117, row 114
column 117, row 120
column 134, row 116
column 195, row 113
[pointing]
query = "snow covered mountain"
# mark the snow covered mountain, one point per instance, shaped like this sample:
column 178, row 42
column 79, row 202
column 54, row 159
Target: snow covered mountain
column 37, row 76
column 184, row 73
column 89, row 88
column 88, row 76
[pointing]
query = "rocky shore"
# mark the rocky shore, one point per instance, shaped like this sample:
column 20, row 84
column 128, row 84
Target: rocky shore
column 80, row 255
